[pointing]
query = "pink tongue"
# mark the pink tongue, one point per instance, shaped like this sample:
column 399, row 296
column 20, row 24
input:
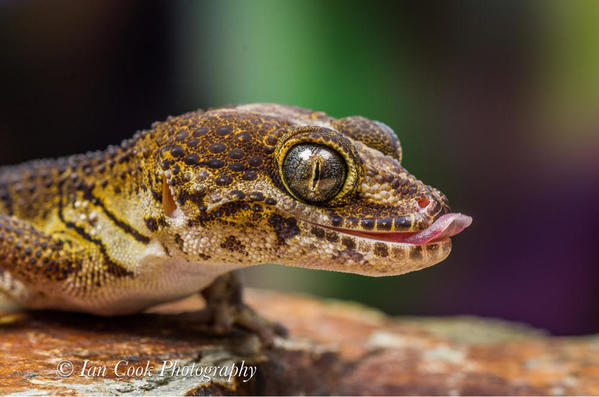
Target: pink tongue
column 446, row 226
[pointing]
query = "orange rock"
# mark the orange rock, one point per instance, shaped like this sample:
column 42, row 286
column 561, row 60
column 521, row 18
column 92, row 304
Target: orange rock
column 334, row 348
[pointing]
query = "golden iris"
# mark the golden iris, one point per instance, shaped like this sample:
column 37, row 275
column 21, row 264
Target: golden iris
column 314, row 173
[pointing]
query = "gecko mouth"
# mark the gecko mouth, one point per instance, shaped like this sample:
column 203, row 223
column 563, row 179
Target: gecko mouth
column 444, row 227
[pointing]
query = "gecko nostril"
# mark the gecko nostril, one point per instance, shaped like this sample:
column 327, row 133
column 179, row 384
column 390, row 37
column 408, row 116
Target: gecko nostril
column 423, row 202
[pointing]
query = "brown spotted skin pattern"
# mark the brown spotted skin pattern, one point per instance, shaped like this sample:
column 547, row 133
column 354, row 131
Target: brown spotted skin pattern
column 373, row 134
column 164, row 214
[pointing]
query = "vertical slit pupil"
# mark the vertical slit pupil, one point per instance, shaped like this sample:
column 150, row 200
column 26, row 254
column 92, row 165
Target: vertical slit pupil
column 316, row 175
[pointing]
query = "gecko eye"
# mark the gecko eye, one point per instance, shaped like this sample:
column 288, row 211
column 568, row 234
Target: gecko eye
column 314, row 173
column 318, row 165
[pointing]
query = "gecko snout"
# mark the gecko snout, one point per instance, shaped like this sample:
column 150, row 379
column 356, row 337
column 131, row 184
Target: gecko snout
column 433, row 204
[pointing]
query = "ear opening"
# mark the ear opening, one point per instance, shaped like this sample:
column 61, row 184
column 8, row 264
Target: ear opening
column 168, row 201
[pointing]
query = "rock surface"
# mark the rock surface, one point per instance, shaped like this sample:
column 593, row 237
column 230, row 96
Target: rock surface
column 334, row 348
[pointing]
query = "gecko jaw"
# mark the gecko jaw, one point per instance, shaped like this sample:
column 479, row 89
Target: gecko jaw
column 443, row 228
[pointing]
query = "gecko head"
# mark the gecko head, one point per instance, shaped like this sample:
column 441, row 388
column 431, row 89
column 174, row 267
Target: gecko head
column 266, row 183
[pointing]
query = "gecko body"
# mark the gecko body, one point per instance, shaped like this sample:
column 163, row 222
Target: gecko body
column 174, row 210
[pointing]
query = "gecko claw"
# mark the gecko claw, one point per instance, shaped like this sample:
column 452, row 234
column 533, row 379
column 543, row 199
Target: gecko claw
column 225, row 311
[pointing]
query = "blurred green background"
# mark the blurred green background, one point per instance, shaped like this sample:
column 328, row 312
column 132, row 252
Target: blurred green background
column 495, row 103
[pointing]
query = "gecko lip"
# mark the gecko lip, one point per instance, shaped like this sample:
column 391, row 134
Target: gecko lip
column 444, row 227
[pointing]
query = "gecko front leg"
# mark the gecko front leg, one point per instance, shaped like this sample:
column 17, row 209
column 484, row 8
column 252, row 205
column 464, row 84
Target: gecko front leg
column 226, row 310
column 39, row 270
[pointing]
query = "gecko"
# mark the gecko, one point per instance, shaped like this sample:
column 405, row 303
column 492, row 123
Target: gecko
column 176, row 209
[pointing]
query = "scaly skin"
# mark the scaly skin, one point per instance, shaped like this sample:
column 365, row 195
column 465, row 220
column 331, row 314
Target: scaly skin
column 166, row 213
